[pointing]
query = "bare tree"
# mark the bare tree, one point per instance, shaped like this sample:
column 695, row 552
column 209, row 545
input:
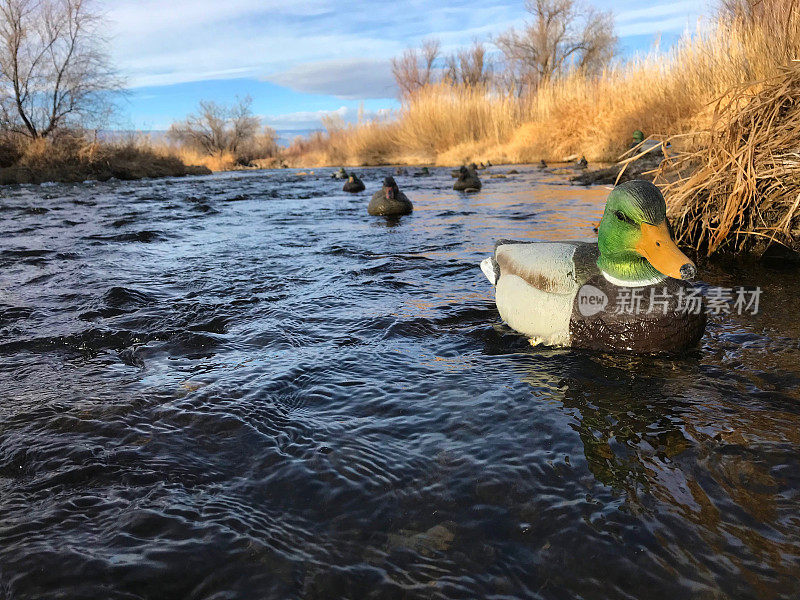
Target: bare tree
column 54, row 68
column 469, row 66
column 217, row 128
column 563, row 34
column 415, row 67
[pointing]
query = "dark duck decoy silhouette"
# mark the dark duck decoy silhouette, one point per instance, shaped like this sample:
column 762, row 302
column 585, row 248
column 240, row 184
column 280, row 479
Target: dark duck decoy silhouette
column 468, row 181
column 389, row 201
column 353, row 184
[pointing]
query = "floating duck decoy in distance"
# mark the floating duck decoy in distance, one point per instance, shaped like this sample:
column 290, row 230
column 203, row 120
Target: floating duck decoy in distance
column 353, row 184
column 468, row 181
column 654, row 148
column 340, row 174
column 389, row 201
column 575, row 293
column 425, row 172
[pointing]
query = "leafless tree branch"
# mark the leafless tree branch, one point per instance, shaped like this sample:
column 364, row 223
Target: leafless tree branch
column 54, row 67
column 562, row 34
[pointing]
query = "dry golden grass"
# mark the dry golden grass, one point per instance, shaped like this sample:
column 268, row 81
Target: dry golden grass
column 224, row 161
column 737, row 186
column 77, row 157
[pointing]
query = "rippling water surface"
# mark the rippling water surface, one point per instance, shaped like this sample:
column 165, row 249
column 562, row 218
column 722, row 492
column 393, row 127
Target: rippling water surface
column 243, row 386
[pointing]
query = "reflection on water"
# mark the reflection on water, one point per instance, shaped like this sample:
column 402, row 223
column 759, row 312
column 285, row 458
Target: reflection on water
column 242, row 386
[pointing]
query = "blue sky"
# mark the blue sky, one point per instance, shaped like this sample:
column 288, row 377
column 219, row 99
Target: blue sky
column 299, row 61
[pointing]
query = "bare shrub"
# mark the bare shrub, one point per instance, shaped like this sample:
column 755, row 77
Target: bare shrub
column 217, row 129
column 562, row 34
column 414, row 69
column 469, row 66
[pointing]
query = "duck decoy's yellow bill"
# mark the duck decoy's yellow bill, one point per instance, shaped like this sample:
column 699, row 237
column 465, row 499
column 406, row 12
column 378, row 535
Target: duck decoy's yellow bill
column 657, row 246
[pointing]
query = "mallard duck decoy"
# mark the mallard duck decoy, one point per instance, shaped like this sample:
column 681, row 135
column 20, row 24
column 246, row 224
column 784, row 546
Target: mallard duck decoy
column 425, row 172
column 468, row 181
column 582, row 295
column 389, row 201
column 340, row 174
column 654, row 148
column 353, row 184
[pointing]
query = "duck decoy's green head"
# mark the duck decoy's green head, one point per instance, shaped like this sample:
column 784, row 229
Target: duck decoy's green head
column 638, row 136
column 635, row 239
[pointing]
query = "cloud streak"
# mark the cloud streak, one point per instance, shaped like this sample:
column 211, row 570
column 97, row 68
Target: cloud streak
column 349, row 79
column 160, row 43
column 313, row 119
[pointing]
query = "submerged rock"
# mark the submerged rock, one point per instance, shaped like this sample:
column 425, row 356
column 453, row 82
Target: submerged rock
column 438, row 538
column 389, row 201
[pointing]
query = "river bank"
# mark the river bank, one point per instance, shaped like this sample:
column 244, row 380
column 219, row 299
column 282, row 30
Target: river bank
column 77, row 158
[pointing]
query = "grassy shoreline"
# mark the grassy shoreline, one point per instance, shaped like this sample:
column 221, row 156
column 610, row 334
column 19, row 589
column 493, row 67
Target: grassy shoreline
column 75, row 158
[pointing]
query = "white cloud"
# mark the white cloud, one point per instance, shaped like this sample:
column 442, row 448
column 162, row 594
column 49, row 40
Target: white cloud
column 687, row 7
column 350, row 79
column 673, row 25
column 313, row 119
column 159, row 43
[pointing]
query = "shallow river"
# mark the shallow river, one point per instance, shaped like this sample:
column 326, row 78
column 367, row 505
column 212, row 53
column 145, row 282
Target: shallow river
column 243, row 386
